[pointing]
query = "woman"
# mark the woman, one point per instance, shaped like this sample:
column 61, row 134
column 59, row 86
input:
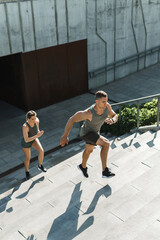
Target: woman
column 31, row 133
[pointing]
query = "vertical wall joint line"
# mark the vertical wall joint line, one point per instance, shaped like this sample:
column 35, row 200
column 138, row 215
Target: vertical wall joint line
column 21, row 25
column 101, row 38
column 56, row 21
column 115, row 19
column 134, row 35
column 8, row 28
column 86, row 5
column 145, row 30
column 33, row 22
column 67, row 21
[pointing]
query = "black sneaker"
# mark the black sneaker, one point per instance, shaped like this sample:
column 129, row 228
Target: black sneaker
column 107, row 173
column 27, row 176
column 84, row 170
column 43, row 169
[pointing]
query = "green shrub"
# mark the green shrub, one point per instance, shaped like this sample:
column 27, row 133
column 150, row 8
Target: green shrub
column 147, row 116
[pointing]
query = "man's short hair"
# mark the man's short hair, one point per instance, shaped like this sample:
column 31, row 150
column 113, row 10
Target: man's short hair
column 100, row 94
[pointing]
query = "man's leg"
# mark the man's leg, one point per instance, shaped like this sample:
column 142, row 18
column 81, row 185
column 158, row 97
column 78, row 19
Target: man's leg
column 88, row 150
column 104, row 143
column 86, row 153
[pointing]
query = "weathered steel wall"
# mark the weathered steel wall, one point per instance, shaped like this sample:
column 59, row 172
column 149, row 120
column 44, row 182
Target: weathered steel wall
column 36, row 79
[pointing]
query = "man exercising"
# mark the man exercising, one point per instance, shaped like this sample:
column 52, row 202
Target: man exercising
column 93, row 118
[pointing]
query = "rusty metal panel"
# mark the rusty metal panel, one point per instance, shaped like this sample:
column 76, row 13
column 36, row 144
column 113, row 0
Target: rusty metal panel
column 53, row 74
column 46, row 76
column 62, row 71
column 78, row 68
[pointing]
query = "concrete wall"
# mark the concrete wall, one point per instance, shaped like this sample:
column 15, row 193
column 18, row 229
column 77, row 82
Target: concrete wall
column 115, row 29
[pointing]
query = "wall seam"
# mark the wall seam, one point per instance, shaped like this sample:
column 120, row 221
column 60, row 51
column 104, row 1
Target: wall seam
column 33, row 22
column 21, row 25
column 8, row 28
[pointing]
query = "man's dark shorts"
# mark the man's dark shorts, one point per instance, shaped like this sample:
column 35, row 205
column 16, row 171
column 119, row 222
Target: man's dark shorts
column 91, row 138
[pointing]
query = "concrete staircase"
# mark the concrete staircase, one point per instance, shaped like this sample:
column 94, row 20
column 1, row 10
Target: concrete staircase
column 63, row 205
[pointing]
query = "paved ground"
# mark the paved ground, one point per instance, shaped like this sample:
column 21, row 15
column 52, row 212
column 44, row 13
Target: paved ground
column 61, row 204
column 53, row 118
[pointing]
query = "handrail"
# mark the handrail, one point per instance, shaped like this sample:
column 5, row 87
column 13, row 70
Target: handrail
column 138, row 100
column 123, row 61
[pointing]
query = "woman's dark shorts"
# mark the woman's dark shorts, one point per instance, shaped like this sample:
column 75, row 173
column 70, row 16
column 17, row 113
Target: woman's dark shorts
column 91, row 138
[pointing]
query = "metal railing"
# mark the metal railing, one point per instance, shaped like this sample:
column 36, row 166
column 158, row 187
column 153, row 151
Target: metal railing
column 123, row 61
column 137, row 101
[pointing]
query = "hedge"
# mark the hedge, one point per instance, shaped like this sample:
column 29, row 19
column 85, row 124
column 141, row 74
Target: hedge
column 147, row 116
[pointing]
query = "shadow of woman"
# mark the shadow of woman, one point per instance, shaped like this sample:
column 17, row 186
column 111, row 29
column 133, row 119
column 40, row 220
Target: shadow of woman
column 66, row 225
column 31, row 186
column 4, row 201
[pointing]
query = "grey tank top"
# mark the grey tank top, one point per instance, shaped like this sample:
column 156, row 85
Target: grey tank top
column 95, row 124
column 32, row 130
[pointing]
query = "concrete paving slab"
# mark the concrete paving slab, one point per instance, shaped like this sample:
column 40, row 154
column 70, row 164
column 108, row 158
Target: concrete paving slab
column 138, row 201
column 63, row 202
column 88, row 206
column 132, row 228
column 151, row 232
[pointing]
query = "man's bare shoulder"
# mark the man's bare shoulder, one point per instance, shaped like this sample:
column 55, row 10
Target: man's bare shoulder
column 108, row 106
column 88, row 114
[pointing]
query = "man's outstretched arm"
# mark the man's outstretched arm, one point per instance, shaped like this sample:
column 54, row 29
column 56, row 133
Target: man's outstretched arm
column 77, row 117
column 113, row 116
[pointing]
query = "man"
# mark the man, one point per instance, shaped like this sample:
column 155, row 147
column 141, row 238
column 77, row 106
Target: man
column 93, row 118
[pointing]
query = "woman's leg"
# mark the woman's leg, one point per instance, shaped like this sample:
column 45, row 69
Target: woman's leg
column 37, row 145
column 27, row 153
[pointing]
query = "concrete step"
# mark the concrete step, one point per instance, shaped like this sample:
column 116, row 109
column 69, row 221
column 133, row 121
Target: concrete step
column 138, row 222
column 62, row 202
column 134, row 141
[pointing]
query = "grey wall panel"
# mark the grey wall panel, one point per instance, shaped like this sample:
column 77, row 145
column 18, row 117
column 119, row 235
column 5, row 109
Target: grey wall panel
column 14, row 27
column 125, row 45
column 27, row 26
column 153, row 28
column 62, row 21
column 76, row 19
column 4, row 41
column 115, row 29
column 44, row 17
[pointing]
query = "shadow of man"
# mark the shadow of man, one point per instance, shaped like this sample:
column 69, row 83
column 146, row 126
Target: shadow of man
column 31, row 237
column 106, row 191
column 66, row 225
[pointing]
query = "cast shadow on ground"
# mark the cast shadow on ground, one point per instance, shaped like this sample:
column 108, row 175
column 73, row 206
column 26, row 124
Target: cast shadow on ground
column 31, row 186
column 4, row 201
column 31, row 237
column 66, row 225
column 151, row 143
column 105, row 191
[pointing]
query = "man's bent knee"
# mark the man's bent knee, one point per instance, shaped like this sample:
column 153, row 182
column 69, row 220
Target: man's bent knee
column 104, row 143
column 89, row 150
